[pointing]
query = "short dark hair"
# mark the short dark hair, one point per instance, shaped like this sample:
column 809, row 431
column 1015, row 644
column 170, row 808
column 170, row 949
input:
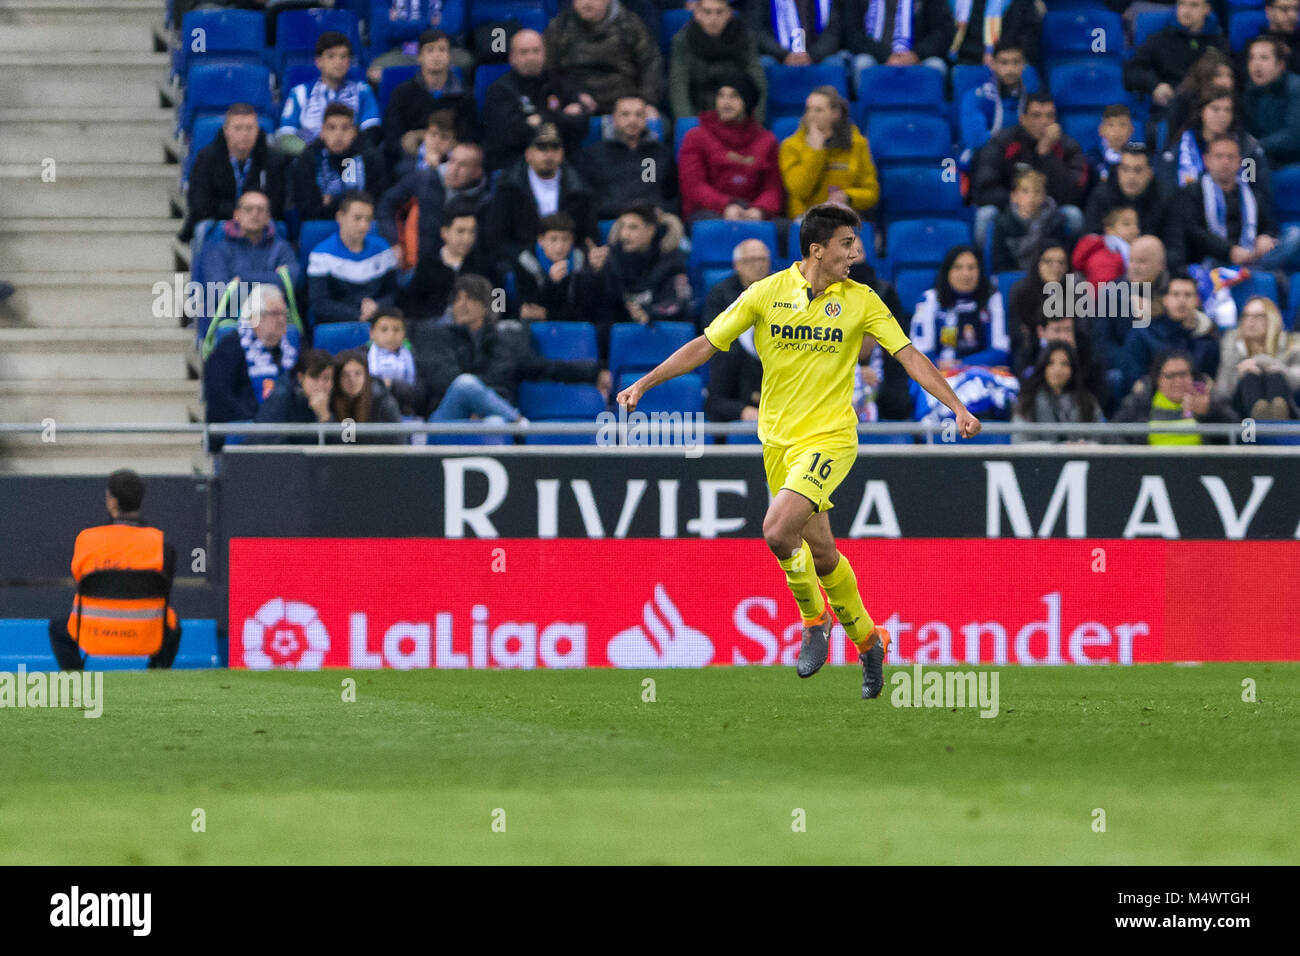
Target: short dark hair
column 127, row 488
column 1166, row 356
column 556, row 222
column 1113, row 215
column 1008, row 45
column 388, row 312
column 1116, row 110
column 1136, row 149
column 1182, row 275
column 240, row 109
column 1220, row 138
column 311, row 362
column 1280, row 48
column 458, row 208
column 338, row 109
column 474, row 286
column 351, row 199
column 444, row 119
column 330, row 39
column 821, row 221
column 1039, row 96
column 431, row 36
column 643, row 211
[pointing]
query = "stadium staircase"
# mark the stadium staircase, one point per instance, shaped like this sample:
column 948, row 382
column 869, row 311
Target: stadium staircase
column 85, row 101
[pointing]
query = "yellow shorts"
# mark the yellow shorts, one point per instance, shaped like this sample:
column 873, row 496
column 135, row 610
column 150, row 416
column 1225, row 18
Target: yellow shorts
column 813, row 469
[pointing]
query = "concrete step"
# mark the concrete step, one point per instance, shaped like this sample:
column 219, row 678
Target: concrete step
column 80, row 13
column 91, row 299
column 97, row 401
column 94, row 353
column 94, row 31
column 101, row 454
column 60, row 78
column 55, row 245
column 77, row 190
column 71, row 135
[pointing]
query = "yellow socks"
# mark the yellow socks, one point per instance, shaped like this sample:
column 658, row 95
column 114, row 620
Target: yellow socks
column 802, row 579
column 842, row 588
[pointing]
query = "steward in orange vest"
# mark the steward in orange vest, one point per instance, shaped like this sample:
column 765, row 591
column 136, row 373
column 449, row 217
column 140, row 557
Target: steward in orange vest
column 124, row 572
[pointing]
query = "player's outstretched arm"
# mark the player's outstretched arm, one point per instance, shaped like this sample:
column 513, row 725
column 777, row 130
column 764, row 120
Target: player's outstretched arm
column 686, row 359
column 922, row 370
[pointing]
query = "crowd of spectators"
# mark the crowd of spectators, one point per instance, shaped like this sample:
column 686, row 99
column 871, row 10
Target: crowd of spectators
column 566, row 190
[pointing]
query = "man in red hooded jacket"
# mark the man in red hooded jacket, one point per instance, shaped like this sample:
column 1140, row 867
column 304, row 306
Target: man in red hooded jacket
column 728, row 165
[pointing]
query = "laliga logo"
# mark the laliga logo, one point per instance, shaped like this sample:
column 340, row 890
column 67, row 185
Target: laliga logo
column 285, row 634
column 832, row 309
column 660, row 644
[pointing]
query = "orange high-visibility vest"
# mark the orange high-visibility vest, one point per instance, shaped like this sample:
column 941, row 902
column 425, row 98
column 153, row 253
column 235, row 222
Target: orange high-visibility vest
column 110, row 626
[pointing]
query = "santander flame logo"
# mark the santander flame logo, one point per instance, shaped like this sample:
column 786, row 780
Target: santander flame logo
column 286, row 634
column 662, row 639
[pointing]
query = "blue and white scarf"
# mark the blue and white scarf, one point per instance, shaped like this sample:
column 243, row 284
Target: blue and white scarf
column 875, row 24
column 261, row 367
column 424, row 10
column 1216, row 212
column 1110, row 157
column 992, row 23
column 1119, row 244
column 330, row 180
column 788, row 26
column 398, row 366
column 1191, row 166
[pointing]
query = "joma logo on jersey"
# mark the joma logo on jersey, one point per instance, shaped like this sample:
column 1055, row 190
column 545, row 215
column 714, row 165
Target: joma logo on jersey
column 784, row 305
column 816, row 332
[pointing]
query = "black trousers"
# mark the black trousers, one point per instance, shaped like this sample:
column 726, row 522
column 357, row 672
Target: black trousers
column 70, row 658
column 1254, row 386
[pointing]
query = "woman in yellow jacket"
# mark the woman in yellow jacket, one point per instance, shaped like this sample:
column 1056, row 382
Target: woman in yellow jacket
column 827, row 158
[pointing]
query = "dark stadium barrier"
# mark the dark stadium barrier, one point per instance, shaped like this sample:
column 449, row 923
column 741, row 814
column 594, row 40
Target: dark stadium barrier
column 650, row 558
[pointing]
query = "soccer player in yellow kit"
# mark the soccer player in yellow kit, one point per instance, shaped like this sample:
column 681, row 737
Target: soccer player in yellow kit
column 809, row 322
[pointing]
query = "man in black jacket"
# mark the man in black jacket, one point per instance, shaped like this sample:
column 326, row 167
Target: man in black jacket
column 1132, row 184
column 434, row 87
column 239, row 158
column 632, row 167
column 928, row 41
column 540, row 184
column 528, row 95
column 334, row 164
column 1162, row 62
column 1036, row 141
column 474, row 363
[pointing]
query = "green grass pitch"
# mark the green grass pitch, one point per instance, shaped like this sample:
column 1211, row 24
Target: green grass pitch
column 713, row 771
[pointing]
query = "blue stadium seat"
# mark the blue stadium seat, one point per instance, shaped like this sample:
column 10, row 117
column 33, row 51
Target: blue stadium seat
column 230, row 35
column 214, row 86
column 1145, row 24
column 910, row 88
column 682, row 394
column 1072, row 34
column 923, row 242
column 296, row 32
column 1244, row 26
column 639, row 348
column 527, row 13
column 391, row 78
column 911, row 285
column 312, row 233
column 783, row 127
column 1087, row 86
column 1005, row 280
column 564, row 340
column 789, row 86
column 336, row 337
column 669, row 24
column 708, row 279
column 1259, row 283
column 26, row 641
column 1286, row 192
column 914, row 192
column 898, row 138
column 605, row 226
column 681, row 126
column 485, row 74
column 967, row 76
column 556, row 401
column 712, row 240
column 1291, row 315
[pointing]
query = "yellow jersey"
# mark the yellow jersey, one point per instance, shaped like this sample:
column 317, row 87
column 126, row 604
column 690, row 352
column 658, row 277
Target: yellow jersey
column 809, row 350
